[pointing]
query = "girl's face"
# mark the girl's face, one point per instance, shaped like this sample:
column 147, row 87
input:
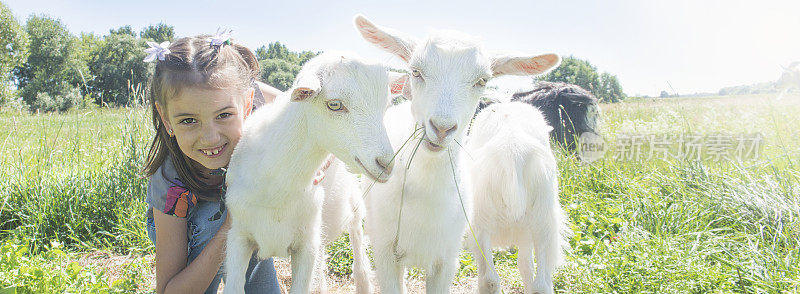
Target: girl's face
column 207, row 123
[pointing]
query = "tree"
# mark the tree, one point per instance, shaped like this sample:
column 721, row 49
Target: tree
column 582, row 73
column 53, row 60
column 123, row 30
column 279, row 66
column 87, row 47
column 610, row 87
column 116, row 66
column 13, row 50
column 158, row 33
column 278, row 73
column 276, row 50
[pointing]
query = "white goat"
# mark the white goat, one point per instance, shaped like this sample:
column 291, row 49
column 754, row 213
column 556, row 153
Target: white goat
column 337, row 106
column 343, row 210
column 515, row 181
column 416, row 218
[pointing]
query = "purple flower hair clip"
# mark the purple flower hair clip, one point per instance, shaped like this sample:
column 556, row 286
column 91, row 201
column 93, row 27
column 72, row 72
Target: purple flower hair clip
column 223, row 37
column 156, row 50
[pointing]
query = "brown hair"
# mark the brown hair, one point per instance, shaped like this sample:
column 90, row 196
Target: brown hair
column 194, row 62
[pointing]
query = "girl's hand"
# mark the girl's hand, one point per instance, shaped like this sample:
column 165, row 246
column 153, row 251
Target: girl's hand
column 226, row 225
column 321, row 173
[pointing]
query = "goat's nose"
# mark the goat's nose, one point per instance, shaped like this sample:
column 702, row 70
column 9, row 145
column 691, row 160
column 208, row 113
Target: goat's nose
column 443, row 129
column 385, row 162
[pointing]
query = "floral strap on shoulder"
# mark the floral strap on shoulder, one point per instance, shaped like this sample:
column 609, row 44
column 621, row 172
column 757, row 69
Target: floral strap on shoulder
column 179, row 200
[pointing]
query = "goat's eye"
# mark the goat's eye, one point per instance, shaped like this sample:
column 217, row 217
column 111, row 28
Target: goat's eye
column 481, row 82
column 416, row 73
column 335, row 105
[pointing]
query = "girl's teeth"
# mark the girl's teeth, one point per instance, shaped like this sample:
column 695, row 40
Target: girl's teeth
column 212, row 152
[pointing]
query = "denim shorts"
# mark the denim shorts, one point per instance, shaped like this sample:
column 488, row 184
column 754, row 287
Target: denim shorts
column 203, row 223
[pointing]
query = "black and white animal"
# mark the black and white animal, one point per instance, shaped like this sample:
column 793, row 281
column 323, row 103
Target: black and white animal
column 569, row 109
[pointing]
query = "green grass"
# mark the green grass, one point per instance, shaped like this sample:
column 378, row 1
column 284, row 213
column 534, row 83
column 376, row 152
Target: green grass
column 54, row 270
column 647, row 225
column 73, row 178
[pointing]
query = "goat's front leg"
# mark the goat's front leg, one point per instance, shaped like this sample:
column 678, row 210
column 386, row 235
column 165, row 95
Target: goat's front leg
column 488, row 279
column 237, row 257
column 441, row 276
column 303, row 262
column 389, row 271
column 321, row 271
column 360, row 262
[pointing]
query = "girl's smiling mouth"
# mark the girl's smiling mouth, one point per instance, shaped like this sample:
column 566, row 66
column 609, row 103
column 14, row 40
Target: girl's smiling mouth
column 214, row 152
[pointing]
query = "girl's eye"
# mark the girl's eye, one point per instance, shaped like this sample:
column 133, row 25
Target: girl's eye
column 335, row 105
column 224, row 115
column 416, row 73
column 187, row 121
column 481, row 82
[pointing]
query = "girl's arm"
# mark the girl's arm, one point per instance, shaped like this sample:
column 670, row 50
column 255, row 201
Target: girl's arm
column 172, row 273
column 268, row 91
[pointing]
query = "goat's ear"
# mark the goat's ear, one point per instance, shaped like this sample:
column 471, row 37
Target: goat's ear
column 536, row 65
column 398, row 85
column 303, row 93
column 306, row 85
column 392, row 42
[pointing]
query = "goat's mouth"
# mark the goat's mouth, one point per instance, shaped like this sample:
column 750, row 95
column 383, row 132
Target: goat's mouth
column 433, row 147
column 380, row 178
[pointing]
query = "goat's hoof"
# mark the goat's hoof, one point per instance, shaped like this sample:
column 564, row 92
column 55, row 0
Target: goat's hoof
column 541, row 291
column 489, row 287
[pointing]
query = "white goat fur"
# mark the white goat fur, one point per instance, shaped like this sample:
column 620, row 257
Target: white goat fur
column 515, row 182
column 274, row 209
column 343, row 210
column 449, row 72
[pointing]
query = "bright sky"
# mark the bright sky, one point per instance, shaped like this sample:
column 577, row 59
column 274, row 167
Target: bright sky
column 695, row 45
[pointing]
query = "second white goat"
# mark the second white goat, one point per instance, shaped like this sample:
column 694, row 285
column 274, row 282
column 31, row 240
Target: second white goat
column 417, row 218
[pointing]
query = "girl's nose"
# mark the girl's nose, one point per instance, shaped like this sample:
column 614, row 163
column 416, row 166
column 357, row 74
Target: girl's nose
column 211, row 135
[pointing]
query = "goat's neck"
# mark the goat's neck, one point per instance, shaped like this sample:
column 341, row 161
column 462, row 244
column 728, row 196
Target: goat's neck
column 297, row 155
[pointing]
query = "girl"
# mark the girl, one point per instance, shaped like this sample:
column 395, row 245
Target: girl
column 202, row 90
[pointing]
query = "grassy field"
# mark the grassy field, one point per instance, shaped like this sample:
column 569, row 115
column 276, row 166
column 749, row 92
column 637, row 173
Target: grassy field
column 642, row 222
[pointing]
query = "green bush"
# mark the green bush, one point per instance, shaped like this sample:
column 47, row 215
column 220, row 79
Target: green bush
column 56, row 271
column 10, row 100
column 46, row 103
